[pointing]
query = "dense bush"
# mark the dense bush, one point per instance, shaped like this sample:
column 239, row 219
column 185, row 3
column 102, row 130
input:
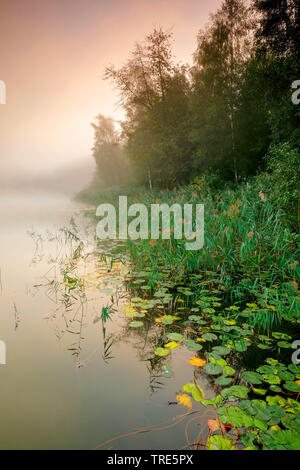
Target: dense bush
column 281, row 180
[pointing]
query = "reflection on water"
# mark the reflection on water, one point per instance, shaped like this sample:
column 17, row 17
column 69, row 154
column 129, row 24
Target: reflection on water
column 77, row 373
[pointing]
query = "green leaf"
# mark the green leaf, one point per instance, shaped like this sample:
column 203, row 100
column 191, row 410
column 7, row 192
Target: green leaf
column 292, row 387
column 209, row 337
column 252, row 377
column 218, row 442
column 281, row 440
column 272, row 379
column 196, row 392
column 175, row 336
column 259, row 391
column 161, row 352
column 136, row 324
column 236, row 391
column 228, row 370
column 275, row 388
column 223, row 380
column 192, row 346
column 213, row 369
column 221, row 350
column 235, row 416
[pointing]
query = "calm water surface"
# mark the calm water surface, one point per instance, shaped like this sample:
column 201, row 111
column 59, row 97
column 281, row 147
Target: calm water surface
column 57, row 390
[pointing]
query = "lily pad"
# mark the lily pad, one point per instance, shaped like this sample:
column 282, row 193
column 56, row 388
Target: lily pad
column 161, row 352
column 213, row 369
column 252, row 377
column 192, row 346
column 292, row 387
column 221, row 350
column 136, row 324
column 223, row 380
column 236, row 391
column 175, row 336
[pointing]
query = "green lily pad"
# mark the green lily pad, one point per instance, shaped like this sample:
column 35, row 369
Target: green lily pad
column 209, row 337
column 223, row 380
column 228, row 370
column 196, row 392
column 218, row 442
column 275, row 388
column 236, row 391
column 252, row 377
column 161, row 352
column 192, row 346
column 221, row 350
column 272, row 379
column 136, row 324
column 213, row 369
column 175, row 336
column 259, row 391
column 292, row 387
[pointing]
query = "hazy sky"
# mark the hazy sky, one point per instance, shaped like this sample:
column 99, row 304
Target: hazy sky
column 52, row 57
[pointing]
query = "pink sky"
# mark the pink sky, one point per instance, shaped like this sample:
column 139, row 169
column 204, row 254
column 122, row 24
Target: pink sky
column 52, row 56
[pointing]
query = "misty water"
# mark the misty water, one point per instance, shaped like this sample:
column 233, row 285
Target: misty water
column 60, row 388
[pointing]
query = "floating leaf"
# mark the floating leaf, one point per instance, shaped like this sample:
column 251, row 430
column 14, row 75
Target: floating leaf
column 169, row 319
column 235, row 416
column 284, row 344
column 252, row 377
column 236, row 391
column 172, row 345
column 136, row 324
column 196, row 392
column 197, row 362
column 228, row 370
column 214, row 425
column 221, row 350
column 272, row 379
column 161, row 352
column 184, row 400
column 192, row 346
column 259, row 391
column 209, row 337
column 218, row 442
column 175, row 336
column 292, row 387
column 223, row 380
column 213, row 369
column 275, row 388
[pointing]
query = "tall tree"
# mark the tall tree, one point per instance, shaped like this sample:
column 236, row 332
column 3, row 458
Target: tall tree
column 154, row 93
column 107, row 151
column 222, row 52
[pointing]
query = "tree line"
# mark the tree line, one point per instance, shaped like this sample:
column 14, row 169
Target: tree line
column 222, row 114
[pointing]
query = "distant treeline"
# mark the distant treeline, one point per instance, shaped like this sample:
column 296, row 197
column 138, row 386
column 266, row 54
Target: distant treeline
column 226, row 113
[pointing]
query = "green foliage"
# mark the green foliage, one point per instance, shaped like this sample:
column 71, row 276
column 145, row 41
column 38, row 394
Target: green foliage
column 281, row 180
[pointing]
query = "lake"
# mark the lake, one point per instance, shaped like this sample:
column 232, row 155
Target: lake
column 60, row 389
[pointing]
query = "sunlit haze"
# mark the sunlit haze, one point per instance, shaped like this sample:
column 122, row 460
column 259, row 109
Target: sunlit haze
column 52, row 57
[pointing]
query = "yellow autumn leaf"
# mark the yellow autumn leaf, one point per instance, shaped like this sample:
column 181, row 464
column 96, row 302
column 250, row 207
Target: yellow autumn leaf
column 196, row 361
column 172, row 345
column 184, row 400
